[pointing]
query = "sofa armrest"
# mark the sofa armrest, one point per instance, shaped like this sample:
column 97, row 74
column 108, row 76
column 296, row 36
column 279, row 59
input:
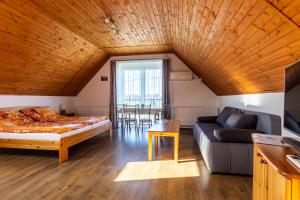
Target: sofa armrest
column 209, row 119
column 235, row 135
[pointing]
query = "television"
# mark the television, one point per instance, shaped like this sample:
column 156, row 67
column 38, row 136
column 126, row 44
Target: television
column 292, row 99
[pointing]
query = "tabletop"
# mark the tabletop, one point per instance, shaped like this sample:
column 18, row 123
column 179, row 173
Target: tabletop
column 171, row 126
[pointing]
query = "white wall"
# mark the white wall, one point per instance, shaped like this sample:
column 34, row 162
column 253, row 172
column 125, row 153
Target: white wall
column 268, row 102
column 51, row 101
column 187, row 95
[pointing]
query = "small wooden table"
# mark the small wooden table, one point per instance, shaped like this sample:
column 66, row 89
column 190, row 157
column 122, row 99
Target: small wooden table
column 164, row 128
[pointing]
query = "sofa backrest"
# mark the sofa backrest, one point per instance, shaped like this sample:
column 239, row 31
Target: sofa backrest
column 266, row 122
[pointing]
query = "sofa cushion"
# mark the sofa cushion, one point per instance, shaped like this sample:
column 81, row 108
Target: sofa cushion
column 235, row 135
column 208, row 129
column 226, row 112
column 209, row 119
column 241, row 121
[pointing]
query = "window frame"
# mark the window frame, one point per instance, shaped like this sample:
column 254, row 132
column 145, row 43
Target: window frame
column 121, row 78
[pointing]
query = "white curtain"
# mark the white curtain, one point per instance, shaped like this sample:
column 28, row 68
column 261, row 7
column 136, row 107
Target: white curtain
column 139, row 82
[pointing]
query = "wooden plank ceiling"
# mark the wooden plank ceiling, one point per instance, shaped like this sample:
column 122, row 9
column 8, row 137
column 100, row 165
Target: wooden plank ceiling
column 54, row 47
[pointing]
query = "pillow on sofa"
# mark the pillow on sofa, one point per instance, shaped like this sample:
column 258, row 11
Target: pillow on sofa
column 226, row 112
column 241, row 121
column 235, row 135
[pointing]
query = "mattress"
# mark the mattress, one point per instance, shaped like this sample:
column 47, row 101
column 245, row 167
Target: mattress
column 51, row 136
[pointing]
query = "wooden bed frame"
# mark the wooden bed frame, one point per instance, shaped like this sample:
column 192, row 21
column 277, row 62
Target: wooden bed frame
column 61, row 146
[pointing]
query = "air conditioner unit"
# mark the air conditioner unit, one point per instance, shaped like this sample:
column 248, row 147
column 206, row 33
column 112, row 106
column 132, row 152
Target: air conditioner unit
column 181, row 76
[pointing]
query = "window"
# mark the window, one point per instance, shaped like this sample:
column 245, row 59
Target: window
column 139, row 82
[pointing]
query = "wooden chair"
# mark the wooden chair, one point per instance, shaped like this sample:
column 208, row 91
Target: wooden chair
column 121, row 114
column 165, row 111
column 131, row 116
column 157, row 114
column 145, row 115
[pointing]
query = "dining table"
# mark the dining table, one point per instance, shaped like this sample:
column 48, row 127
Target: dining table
column 156, row 112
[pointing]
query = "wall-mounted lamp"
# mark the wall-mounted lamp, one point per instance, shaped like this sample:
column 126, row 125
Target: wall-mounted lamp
column 110, row 21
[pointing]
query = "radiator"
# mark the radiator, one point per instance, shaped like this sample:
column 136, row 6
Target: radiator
column 188, row 115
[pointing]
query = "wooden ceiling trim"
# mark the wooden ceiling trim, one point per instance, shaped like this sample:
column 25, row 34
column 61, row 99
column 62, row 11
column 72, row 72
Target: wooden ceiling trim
column 292, row 9
column 289, row 8
column 139, row 50
column 280, row 4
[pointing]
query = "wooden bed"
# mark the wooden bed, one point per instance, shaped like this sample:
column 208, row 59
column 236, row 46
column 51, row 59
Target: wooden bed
column 61, row 146
column 49, row 140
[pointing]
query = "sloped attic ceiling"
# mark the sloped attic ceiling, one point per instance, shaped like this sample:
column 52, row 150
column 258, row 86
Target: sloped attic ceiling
column 53, row 47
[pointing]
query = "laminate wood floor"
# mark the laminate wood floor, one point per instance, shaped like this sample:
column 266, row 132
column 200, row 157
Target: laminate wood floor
column 117, row 168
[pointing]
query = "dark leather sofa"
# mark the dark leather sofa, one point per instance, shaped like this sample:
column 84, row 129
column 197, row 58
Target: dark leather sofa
column 225, row 141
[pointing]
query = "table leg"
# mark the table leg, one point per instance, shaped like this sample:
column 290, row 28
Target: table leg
column 176, row 147
column 149, row 146
column 156, row 143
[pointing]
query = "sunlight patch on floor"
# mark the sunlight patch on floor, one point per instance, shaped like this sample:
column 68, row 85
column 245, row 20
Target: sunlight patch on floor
column 145, row 170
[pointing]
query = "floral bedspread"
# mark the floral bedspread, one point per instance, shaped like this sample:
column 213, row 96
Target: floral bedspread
column 42, row 120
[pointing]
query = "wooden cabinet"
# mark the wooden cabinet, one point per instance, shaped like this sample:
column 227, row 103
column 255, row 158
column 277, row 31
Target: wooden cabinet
column 278, row 187
column 274, row 178
column 260, row 171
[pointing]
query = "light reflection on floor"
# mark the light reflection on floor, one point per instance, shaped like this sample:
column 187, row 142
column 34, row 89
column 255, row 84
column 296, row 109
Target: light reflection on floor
column 145, row 170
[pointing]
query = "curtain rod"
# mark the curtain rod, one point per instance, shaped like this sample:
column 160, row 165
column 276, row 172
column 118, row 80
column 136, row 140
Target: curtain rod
column 132, row 59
